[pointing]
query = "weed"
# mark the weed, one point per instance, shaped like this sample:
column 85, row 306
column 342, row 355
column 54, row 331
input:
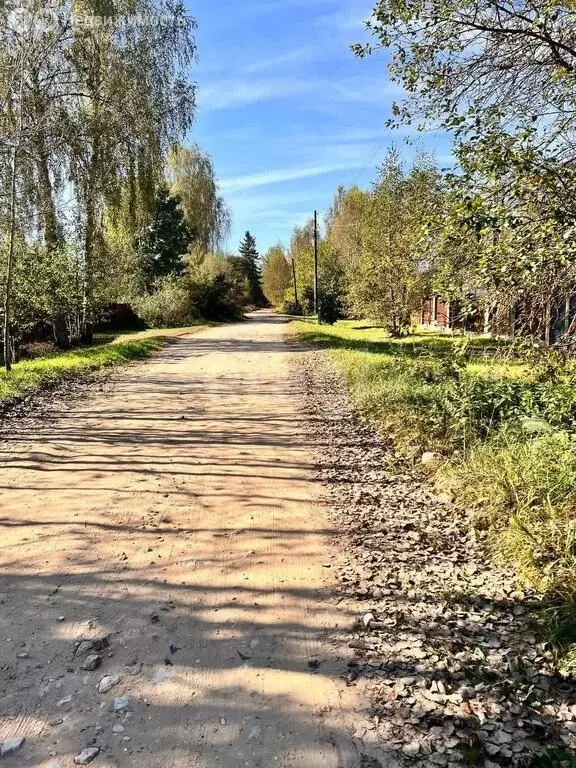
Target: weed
column 554, row 758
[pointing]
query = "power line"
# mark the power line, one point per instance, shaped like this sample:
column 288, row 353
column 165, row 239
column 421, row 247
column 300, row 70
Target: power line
column 367, row 163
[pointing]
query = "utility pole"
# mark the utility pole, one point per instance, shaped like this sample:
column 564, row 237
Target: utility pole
column 316, row 295
column 295, row 285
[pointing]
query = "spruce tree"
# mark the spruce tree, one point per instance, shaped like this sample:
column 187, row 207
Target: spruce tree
column 251, row 266
column 165, row 242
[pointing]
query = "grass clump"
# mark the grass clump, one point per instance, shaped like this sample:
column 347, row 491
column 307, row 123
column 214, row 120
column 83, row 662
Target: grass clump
column 524, row 491
column 109, row 350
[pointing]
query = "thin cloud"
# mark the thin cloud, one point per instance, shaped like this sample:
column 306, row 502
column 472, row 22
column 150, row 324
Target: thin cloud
column 236, row 93
column 302, row 55
column 252, row 180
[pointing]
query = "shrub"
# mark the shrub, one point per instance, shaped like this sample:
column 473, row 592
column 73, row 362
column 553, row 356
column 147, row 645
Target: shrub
column 169, row 306
column 219, row 287
column 291, row 308
column 330, row 307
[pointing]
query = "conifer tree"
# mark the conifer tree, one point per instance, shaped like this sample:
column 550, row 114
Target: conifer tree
column 165, row 242
column 251, row 266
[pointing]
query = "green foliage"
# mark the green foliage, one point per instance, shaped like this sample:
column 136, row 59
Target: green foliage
column 165, row 242
column 251, row 265
column 276, row 275
column 219, row 287
column 45, row 284
column 330, row 307
column 525, row 491
column 290, row 308
column 169, row 306
column 554, row 757
column 213, row 287
column 193, row 182
column 387, row 279
column 91, row 110
column 459, row 60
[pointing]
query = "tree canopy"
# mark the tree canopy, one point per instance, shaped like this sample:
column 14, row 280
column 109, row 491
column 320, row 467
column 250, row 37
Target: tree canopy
column 250, row 259
column 276, row 274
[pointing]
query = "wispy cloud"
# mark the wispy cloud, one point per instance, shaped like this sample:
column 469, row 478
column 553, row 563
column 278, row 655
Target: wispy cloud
column 252, row 180
column 246, row 90
column 241, row 92
column 303, row 55
column 342, row 21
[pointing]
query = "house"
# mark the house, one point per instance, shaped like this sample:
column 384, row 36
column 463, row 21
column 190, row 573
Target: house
column 549, row 324
column 449, row 317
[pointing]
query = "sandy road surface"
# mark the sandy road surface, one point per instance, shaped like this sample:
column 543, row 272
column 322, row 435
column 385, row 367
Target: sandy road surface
column 173, row 505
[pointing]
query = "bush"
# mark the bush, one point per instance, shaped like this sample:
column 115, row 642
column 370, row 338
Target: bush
column 170, row 306
column 291, row 308
column 213, row 288
column 330, row 307
column 509, row 440
column 219, row 288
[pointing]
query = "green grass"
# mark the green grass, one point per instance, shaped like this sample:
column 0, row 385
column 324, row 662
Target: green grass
column 486, row 356
column 466, row 400
column 109, row 350
column 406, row 384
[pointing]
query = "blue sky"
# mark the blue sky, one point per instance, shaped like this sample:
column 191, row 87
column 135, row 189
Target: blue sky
column 287, row 111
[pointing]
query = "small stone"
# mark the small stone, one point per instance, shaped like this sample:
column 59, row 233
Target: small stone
column 222, row 721
column 118, row 728
column 23, row 655
column 411, row 749
column 161, row 675
column 122, row 704
column 61, row 618
column 11, row 745
column 438, row 759
column 92, row 662
column 430, row 459
column 86, row 756
column 65, row 700
column 107, row 683
column 367, row 619
column 55, row 721
column 84, row 647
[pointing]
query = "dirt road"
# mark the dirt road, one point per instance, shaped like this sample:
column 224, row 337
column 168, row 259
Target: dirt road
column 172, row 510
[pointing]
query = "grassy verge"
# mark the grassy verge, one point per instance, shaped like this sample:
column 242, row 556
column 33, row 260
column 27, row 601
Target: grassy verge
column 503, row 435
column 109, row 350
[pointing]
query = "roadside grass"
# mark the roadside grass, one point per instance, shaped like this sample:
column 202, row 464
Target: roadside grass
column 504, row 436
column 109, row 350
